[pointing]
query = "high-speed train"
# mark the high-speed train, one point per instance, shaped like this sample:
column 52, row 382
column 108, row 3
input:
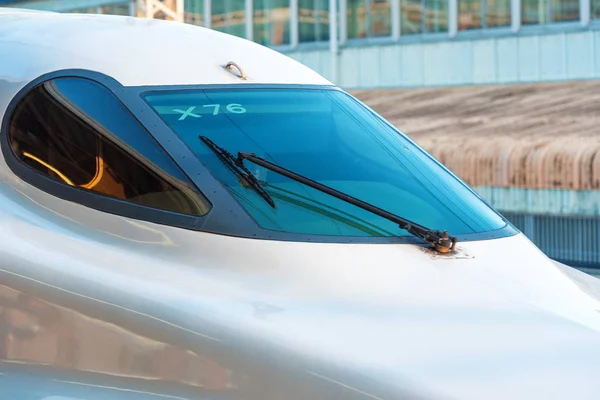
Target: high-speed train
column 189, row 215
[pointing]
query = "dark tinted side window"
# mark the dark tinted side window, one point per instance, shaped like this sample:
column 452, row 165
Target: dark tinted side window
column 77, row 132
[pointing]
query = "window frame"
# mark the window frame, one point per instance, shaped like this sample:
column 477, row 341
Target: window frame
column 226, row 216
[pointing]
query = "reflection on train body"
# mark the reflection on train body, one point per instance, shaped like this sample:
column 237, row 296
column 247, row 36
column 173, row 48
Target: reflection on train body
column 36, row 332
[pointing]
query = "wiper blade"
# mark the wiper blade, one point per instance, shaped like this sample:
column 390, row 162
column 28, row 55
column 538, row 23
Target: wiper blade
column 237, row 166
column 440, row 241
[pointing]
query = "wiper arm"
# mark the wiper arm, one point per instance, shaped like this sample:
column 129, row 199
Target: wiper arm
column 237, row 166
column 440, row 241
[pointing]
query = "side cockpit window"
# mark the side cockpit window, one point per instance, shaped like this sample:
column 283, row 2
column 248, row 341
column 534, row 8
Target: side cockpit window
column 75, row 131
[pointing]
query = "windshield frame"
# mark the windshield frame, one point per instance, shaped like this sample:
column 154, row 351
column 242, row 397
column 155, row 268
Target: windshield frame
column 226, row 215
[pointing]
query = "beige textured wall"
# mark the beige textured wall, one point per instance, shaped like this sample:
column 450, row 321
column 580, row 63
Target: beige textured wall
column 532, row 136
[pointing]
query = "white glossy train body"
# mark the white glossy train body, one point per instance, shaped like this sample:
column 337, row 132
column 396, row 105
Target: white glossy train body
column 135, row 265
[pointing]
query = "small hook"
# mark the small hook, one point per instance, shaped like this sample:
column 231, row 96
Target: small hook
column 232, row 64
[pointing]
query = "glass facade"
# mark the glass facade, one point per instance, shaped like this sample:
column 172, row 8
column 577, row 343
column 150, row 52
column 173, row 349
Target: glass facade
column 497, row 13
column 470, row 14
column 411, row 17
column 123, row 8
column 88, row 10
column 423, row 16
column 293, row 22
column 436, row 15
column 478, row 14
column 565, row 10
column 595, row 9
column 271, row 22
column 369, row 18
column 115, row 9
column 313, row 20
column 229, row 16
column 545, row 11
column 194, row 12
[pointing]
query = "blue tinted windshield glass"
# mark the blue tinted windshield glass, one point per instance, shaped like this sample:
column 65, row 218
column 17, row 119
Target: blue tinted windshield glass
column 328, row 136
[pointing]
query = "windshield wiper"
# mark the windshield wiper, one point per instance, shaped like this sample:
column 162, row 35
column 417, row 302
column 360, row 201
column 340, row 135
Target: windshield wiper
column 237, row 166
column 440, row 241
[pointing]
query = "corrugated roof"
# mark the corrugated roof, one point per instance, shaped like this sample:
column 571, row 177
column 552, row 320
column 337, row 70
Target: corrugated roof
column 533, row 136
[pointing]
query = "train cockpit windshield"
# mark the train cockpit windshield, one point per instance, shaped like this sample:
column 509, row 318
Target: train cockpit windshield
column 82, row 136
column 328, row 136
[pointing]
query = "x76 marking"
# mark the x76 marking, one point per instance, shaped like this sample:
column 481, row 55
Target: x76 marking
column 187, row 113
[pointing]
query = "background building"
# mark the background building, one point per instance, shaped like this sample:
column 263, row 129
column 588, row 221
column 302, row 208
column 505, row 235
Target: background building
column 407, row 43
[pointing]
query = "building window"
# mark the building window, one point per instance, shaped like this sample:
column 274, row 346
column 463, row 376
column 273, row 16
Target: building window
column 545, row 11
column 380, row 18
column 229, row 16
column 271, row 22
column 313, row 20
column 564, row 10
column 369, row 18
column 497, row 13
column 478, row 14
column 76, row 132
column 88, row 10
column 411, row 17
column 595, row 9
column 436, row 16
column 116, row 9
column 194, row 12
column 419, row 16
column 470, row 14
